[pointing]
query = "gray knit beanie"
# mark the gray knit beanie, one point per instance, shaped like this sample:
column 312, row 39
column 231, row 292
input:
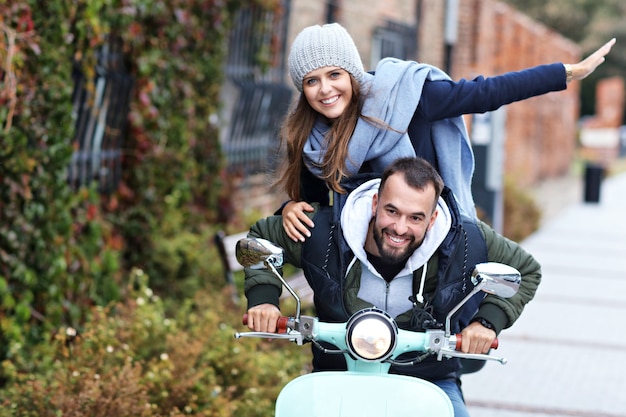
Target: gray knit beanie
column 323, row 46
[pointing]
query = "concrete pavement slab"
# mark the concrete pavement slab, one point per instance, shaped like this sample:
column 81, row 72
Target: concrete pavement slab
column 567, row 352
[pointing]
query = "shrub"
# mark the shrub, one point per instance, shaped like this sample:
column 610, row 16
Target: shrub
column 81, row 331
column 132, row 359
column 58, row 256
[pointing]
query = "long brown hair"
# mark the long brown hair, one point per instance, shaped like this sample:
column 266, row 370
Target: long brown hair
column 295, row 131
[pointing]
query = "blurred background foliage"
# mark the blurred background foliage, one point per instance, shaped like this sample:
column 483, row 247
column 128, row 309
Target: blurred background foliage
column 83, row 331
column 136, row 358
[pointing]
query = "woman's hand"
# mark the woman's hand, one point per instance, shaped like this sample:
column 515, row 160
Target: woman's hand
column 588, row 65
column 295, row 221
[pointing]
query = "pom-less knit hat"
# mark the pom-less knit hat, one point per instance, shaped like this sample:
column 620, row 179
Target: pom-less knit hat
column 323, row 46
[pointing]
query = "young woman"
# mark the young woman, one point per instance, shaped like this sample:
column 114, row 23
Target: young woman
column 348, row 121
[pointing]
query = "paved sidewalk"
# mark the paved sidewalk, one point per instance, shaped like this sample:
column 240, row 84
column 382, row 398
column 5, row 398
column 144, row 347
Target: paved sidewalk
column 567, row 352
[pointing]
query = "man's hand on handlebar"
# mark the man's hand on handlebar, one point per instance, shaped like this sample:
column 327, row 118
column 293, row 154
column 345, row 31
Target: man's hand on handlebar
column 263, row 318
column 476, row 338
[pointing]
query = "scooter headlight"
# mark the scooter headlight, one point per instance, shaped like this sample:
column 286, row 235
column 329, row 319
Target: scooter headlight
column 371, row 335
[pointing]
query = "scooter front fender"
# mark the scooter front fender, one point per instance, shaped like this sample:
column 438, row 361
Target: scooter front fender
column 351, row 394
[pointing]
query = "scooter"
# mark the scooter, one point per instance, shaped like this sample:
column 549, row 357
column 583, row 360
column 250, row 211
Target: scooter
column 370, row 342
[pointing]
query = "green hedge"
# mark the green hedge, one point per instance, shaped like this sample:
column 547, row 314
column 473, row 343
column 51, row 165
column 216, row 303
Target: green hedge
column 66, row 255
column 47, row 236
column 134, row 359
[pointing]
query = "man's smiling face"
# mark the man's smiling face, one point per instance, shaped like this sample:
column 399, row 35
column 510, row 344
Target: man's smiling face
column 402, row 216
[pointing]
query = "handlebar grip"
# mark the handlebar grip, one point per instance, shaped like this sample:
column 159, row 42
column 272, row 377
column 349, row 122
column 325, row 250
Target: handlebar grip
column 459, row 339
column 281, row 323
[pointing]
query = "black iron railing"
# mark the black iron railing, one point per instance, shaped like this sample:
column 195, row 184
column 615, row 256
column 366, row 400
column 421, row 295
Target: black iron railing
column 256, row 66
column 100, row 122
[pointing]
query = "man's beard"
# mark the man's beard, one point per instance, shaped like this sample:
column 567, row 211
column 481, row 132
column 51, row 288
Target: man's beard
column 394, row 255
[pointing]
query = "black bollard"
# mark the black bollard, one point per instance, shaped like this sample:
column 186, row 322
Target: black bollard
column 593, row 181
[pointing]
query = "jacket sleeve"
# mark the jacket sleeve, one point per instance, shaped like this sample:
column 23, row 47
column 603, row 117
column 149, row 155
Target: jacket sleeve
column 261, row 286
column 446, row 98
column 503, row 312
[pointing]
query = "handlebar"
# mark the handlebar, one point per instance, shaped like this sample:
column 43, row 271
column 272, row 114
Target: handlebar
column 284, row 324
column 459, row 339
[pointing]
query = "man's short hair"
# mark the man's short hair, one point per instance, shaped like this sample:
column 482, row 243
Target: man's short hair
column 417, row 172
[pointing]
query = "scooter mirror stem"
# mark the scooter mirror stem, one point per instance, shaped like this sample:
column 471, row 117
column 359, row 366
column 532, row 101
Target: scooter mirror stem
column 476, row 290
column 493, row 278
column 257, row 253
column 270, row 266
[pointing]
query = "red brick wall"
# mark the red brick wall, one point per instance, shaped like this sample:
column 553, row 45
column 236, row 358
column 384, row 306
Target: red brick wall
column 607, row 120
column 540, row 132
column 609, row 104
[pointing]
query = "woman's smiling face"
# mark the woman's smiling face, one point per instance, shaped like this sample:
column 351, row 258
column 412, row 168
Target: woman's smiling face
column 328, row 90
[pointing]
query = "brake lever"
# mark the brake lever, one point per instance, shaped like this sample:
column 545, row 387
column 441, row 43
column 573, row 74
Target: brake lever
column 480, row 356
column 294, row 337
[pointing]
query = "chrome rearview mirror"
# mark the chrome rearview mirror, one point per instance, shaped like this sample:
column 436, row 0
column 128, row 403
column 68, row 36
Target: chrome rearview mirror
column 493, row 278
column 256, row 253
column 497, row 279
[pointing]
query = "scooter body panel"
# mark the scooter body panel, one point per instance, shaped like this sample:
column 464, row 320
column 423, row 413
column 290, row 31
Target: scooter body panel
column 350, row 394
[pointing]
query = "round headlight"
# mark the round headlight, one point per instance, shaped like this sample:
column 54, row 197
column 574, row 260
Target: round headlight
column 371, row 335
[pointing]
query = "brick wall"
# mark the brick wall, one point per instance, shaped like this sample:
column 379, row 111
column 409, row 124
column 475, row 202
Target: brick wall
column 253, row 198
column 609, row 104
column 430, row 36
column 359, row 17
column 600, row 138
column 540, row 132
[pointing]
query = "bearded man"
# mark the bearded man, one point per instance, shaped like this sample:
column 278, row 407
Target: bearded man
column 401, row 244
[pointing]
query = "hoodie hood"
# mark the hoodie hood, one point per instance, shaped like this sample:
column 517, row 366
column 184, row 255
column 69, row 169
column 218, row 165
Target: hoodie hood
column 357, row 213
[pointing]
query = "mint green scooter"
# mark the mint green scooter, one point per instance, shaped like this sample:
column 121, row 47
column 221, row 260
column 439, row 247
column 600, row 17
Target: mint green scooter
column 370, row 342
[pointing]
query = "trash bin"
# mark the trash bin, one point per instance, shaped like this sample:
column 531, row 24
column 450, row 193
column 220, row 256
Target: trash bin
column 593, row 181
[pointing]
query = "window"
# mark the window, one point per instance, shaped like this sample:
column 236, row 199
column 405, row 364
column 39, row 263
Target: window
column 252, row 141
column 260, row 98
column 394, row 40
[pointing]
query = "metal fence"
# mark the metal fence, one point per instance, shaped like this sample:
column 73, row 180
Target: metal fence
column 255, row 65
column 100, row 122
column 252, row 143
